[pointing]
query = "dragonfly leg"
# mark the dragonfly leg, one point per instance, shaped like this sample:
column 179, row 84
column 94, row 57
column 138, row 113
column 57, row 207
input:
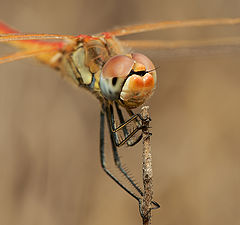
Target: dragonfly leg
column 121, row 119
column 113, row 137
column 117, row 159
column 102, row 156
column 125, row 131
column 114, row 130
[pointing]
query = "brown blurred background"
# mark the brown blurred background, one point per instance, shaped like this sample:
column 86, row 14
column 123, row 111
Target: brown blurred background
column 49, row 131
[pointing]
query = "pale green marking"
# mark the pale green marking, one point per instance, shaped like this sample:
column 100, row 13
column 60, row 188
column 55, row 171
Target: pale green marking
column 78, row 58
column 68, row 70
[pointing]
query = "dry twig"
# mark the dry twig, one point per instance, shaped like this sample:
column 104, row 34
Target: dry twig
column 147, row 169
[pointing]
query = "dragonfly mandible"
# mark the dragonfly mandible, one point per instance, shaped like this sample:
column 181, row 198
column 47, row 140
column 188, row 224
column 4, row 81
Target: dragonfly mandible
column 119, row 79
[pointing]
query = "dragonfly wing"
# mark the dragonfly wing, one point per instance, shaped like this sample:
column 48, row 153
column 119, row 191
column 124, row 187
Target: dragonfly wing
column 42, row 50
column 163, row 44
column 172, row 24
column 43, row 54
column 186, row 48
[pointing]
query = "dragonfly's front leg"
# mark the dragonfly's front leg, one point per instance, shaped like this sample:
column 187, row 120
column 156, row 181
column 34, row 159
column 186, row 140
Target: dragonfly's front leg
column 123, row 126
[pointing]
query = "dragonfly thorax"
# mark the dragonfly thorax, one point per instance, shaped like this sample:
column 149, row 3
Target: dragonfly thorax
column 130, row 78
column 83, row 64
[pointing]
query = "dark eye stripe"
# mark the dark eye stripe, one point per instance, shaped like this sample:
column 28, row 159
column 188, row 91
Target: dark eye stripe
column 114, row 81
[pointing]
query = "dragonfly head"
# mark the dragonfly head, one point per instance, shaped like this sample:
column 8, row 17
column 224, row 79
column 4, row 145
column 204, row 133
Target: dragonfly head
column 129, row 78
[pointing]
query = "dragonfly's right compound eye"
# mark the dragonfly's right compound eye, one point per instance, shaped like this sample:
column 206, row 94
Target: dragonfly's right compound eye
column 114, row 72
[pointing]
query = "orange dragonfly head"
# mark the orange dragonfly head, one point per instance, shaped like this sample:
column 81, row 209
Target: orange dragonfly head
column 129, row 78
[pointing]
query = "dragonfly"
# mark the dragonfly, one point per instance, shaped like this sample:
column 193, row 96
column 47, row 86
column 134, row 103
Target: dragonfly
column 118, row 78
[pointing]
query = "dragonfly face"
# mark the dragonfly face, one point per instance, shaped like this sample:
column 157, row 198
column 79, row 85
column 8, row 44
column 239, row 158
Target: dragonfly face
column 129, row 78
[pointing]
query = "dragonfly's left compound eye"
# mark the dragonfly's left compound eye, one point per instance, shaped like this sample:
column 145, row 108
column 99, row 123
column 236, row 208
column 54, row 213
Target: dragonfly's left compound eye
column 114, row 72
column 130, row 78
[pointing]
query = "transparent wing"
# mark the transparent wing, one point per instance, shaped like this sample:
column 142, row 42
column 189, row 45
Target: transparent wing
column 32, row 44
column 8, row 33
column 163, row 44
column 186, row 48
column 176, row 48
column 43, row 54
column 172, row 24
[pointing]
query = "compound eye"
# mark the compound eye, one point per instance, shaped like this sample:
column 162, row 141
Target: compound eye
column 144, row 60
column 117, row 66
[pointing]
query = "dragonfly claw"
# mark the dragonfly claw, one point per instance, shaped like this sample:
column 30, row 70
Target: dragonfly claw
column 143, row 215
